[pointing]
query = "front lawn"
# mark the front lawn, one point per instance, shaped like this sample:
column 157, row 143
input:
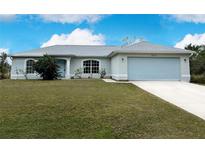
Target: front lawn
column 90, row 109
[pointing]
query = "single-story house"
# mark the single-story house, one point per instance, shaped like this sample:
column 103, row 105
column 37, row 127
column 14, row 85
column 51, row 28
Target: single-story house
column 139, row 61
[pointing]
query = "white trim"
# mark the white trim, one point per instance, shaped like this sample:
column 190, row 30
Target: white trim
column 67, row 68
column 152, row 55
column 185, row 77
column 91, row 74
column 107, row 75
column 21, row 76
column 119, row 76
column 61, row 58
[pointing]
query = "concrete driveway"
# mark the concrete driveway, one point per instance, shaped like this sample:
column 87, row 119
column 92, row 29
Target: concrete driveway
column 188, row 96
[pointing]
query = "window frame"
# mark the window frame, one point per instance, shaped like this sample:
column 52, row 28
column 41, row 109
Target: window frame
column 91, row 66
column 25, row 65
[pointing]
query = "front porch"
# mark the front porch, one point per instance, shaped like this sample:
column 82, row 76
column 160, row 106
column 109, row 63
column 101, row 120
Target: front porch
column 64, row 67
column 79, row 68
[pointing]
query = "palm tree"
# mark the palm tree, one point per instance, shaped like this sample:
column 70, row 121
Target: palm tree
column 199, row 49
column 197, row 60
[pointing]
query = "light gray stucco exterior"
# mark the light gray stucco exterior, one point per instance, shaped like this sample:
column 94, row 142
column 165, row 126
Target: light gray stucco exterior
column 115, row 60
column 19, row 66
column 119, row 65
column 104, row 63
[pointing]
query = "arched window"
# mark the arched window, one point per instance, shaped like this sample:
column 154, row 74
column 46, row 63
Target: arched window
column 30, row 66
column 90, row 66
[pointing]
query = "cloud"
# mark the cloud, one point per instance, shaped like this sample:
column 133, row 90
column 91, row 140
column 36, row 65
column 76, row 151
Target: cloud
column 7, row 17
column 56, row 18
column 71, row 18
column 76, row 37
column 195, row 39
column 6, row 51
column 194, row 18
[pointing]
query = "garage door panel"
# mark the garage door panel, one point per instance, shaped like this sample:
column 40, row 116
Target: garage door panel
column 153, row 68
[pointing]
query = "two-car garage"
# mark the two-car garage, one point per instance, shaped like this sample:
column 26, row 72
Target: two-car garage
column 153, row 68
column 147, row 61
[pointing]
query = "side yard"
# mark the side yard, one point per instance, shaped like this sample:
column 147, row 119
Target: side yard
column 90, row 109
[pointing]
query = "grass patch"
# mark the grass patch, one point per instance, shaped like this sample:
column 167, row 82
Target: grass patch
column 90, row 109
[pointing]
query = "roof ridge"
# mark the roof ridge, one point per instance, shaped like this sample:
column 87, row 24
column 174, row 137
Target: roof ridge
column 155, row 44
column 143, row 41
column 82, row 45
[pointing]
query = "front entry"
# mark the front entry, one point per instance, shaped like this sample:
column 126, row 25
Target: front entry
column 62, row 67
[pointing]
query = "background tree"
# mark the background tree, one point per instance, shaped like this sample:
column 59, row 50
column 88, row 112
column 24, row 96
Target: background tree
column 197, row 63
column 47, row 67
column 4, row 66
column 197, row 60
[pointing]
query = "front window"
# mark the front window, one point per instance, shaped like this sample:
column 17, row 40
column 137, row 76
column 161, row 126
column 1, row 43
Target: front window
column 90, row 66
column 95, row 66
column 87, row 66
column 30, row 66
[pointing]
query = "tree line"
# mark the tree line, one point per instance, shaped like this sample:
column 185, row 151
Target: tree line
column 197, row 63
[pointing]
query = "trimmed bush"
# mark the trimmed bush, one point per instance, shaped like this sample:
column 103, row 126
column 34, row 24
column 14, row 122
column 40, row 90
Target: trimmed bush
column 198, row 79
column 47, row 67
column 102, row 73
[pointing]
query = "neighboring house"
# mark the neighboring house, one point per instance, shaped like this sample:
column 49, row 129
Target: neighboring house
column 139, row 61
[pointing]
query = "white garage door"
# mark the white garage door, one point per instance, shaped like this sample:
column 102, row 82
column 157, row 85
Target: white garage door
column 142, row 68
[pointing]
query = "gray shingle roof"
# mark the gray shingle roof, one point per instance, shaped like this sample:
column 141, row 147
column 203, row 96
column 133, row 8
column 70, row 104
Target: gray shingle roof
column 70, row 50
column 147, row 47
column 99, row 50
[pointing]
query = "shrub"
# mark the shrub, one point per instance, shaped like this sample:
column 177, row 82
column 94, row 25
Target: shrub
column 198, row 79
column 25, row 74
column 102, row 73
column 78, row 73
column 4, row 66
column 47, row 68
column 197, row 60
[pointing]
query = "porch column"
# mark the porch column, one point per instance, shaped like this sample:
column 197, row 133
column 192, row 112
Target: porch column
column 67, row 73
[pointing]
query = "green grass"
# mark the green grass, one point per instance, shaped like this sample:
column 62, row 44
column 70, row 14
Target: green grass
column 90, row 109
